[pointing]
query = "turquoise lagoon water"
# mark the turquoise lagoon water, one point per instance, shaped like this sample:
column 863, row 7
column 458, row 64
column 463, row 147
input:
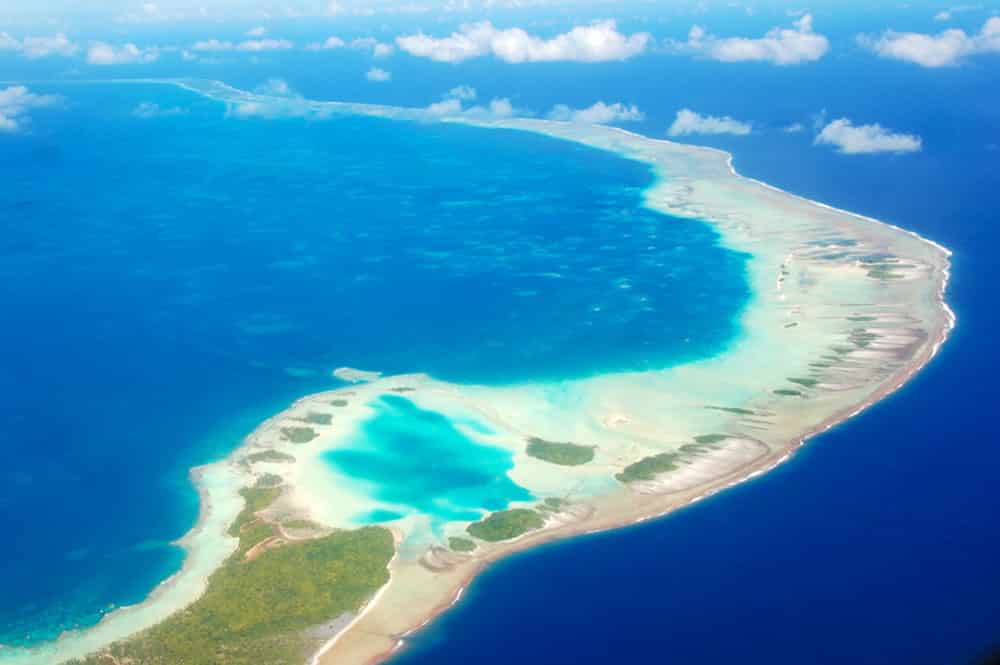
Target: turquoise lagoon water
column 169, row 282
column 418, row 461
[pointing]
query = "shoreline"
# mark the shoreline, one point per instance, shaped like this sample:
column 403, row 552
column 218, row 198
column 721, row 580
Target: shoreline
column 372, row 602
column 209, row 509
column 204, row 552
column 753, row 471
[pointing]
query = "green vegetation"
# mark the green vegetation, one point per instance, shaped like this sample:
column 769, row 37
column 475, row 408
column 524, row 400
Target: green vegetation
column 461, row 544
column 268, row 456
column 506, row 524
column 551, row 505
column 255, row 612
column 268, row 480
column 649, row 467
column 730, row 409
column 883, row 266
column 298, row 434
column 806, row 383
column 403, row 389
column 878, row 258
column 835, row 256
column 257, row 499
column 317, row 418
column 302, row 524
column 787, row 393
column 339, row 402
column 565, row 454
column 792, row 324
column 252, row 535
column 862, row 319
column 862, row 337
column 834, row 242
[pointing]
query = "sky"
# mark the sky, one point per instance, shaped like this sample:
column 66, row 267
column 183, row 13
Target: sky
column 60, row 39
column 515, row 31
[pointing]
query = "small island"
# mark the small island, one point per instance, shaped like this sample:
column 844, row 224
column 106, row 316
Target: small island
column 565, row 454
column 299, row 434
column 506, row 525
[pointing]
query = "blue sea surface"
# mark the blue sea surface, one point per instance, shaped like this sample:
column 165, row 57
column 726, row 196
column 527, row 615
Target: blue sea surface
column 169, row 282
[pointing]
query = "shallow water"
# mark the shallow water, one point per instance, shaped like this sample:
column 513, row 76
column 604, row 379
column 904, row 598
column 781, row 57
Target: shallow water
column 417, row 461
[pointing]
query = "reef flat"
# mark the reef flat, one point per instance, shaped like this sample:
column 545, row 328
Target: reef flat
column 845, row 310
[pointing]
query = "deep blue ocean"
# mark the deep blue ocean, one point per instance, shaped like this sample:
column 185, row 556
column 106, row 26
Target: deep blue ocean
column 168, row 283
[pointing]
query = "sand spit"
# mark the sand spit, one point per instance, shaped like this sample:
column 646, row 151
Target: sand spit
column 845, row 310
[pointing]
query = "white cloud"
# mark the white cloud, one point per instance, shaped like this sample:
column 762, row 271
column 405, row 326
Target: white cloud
column 265, row 45
column 277, row 100
column 689, row 122
column 212, row 45
column 500, row 108
column 259, row 31
column 251, row 110
column 16, row 102
column 948, row 14
column 597, row 42
column 275, row 87
column 446, row 107
column 463, row 92
column 865, row 139
column 290, row 107
column 780, row 46
column 101, row 53
column 794, row 128
column 39, row 47
column 252, row 45
column 43, row 47
column 150, row 110
column 377, row 75
column 329, row 44
column 451, row 106
column 378, row 49
column 598, row 114
column 948, row 47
